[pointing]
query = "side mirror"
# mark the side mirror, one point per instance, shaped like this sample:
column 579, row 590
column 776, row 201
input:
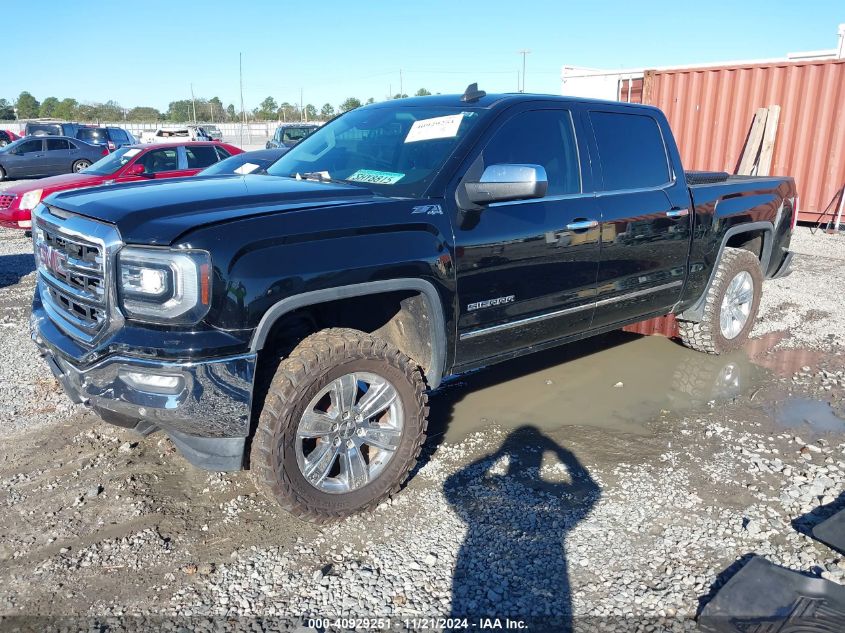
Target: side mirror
column 137, row 169
column 502, row 183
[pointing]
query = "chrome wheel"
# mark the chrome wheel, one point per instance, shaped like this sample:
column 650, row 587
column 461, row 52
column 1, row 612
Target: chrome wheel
column 349, row 432
column 736, row 305
column 80, row 165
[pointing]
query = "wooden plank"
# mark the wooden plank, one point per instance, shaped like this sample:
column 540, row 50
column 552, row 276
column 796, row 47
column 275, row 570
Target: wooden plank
column 764, row 165
column 752, row 146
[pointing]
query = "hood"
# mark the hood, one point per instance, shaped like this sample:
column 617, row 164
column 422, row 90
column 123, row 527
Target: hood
column 158, row 212
column 58, row 183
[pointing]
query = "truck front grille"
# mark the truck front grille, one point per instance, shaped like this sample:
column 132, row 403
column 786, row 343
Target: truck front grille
column 72, row 258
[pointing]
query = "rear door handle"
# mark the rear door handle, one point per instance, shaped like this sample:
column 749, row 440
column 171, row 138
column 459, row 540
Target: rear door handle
column 677, row 213
column 582, row 225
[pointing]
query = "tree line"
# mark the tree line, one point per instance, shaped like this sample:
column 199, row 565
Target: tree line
column 26, row 106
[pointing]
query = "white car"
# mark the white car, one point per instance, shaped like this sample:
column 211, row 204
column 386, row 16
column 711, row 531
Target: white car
column 170, row 134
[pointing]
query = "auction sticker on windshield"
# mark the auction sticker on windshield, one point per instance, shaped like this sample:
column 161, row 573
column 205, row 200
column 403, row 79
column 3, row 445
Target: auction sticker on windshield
column 438, row 127
column 375, row 177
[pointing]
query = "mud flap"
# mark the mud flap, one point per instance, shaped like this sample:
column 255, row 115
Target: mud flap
column 765, row 597
column 831, row 531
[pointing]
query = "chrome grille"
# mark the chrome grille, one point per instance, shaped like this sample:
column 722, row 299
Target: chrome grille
column 72, row 257
column 6, row 200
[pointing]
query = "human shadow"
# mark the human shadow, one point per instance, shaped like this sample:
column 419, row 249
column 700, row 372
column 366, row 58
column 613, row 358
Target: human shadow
column 513, row 561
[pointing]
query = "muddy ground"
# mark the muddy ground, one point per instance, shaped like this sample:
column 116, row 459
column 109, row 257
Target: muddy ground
column 617, row 482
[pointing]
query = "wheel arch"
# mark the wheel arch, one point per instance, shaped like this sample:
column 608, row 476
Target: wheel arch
column 763, row 229
column 434, row 365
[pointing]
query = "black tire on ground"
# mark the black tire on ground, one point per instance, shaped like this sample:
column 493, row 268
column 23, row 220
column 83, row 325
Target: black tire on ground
column 80, row 165
column 313, row 365
column 706, row 335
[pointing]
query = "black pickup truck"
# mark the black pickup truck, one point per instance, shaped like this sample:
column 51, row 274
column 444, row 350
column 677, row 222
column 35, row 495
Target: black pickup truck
column 295, row 323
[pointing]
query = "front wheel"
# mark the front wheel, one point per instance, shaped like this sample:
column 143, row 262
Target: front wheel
column 730, row 307
column 79, row 165
column 342, row 425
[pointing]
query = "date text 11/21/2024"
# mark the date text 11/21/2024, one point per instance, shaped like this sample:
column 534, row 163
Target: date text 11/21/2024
column 421, row 623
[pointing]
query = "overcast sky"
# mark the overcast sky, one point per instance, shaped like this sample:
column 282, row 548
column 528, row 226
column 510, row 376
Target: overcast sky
column 149, row 52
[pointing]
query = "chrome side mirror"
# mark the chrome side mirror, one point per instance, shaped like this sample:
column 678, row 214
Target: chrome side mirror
column 502, row 183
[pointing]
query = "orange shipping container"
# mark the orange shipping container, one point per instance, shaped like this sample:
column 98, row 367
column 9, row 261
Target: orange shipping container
column 711, row 109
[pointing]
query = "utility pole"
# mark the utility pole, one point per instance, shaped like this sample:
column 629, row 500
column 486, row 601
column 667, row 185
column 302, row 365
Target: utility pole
column 243, row 112
column 401, row 84
column 523, row 52
column 194, row 103
column 301, row 105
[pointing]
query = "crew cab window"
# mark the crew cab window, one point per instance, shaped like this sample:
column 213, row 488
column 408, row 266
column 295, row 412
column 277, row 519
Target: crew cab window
column 541, row 137
column 631, row 151
column 28, row 147
column 159, row 160
column 57, row 144
column 118, row 136
column 200, row 156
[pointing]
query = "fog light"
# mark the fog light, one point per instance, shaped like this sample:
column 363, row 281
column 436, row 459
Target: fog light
column 154, row 383
column 25, row 224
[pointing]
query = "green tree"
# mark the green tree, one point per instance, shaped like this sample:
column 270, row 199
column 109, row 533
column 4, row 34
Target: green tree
column 143, row 113
column 267, row 109
column 350, row 104
column 27, row 106
column 67, row 109
column 215, row 109
column 7, row 111
column 310, row 112
column 48, row 108
column 399, row 95
column 370, row 100
column 87, row 112
column 288, row 112
column 180, row 111
column 231, row 113
column 110, row 112
column 327, row 111
column 422, row 92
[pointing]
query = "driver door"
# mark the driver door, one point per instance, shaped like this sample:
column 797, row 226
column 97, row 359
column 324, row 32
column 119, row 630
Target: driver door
column 527, row 269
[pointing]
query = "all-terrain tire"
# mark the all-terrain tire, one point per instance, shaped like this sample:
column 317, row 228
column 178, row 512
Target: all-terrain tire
column 312, row 365
column 706, row 335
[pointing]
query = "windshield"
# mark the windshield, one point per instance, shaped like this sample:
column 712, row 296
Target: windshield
column 240, row 164
column 396, row 150
column 114, row 161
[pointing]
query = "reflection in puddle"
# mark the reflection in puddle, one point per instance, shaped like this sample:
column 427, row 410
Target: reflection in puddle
column 580, row 385
column 807, row 415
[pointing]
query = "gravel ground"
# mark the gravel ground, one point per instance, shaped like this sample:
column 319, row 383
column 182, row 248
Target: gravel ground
column 548, row 517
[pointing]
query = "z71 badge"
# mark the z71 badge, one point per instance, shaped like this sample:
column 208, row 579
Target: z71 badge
column 428, row 209
column 489, row 303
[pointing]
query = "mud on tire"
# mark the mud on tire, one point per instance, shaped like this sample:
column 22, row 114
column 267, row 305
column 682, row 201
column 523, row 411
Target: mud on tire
column 706, row 335
column 315, row 364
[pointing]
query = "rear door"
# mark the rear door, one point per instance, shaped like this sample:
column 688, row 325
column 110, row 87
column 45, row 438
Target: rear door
column 28, row 159
column 199, row 157
column 645, row 228
column 527, row 269
column 59, row 156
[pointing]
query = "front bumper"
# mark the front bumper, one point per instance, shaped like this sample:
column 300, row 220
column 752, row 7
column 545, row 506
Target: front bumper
column 204, row 407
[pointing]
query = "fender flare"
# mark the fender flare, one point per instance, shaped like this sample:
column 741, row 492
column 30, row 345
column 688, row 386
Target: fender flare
column 695, row 312
column 437, row 327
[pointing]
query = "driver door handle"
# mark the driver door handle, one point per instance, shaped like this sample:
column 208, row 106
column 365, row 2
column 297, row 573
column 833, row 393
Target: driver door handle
column 582, row 225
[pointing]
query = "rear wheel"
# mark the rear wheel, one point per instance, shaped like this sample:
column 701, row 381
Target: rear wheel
column 730, row 307
column 3, row 142
column 342, row 425
column 80, row 165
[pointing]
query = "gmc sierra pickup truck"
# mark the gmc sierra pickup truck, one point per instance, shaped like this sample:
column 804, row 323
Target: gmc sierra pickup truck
column 295, row 323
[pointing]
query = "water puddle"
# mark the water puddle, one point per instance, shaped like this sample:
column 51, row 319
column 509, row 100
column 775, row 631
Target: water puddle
column 617, row 382
column 807, row 416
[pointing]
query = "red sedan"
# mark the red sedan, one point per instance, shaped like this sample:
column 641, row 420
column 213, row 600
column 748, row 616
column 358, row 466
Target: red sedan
column 127, row 164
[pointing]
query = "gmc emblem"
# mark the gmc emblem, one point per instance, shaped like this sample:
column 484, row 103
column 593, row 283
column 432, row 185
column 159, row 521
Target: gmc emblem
column 52, row 259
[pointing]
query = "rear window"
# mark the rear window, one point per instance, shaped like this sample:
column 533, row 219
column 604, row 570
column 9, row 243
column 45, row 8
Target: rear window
column 631, row 151
column 117, row 135
column 296, row 134
column 200, row 156
column 223, row 153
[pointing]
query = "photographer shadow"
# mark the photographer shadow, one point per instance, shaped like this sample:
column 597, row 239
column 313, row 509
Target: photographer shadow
column 513, row 561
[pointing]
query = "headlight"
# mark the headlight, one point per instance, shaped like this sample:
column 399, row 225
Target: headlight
column 164, row 286
column 30, row 199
